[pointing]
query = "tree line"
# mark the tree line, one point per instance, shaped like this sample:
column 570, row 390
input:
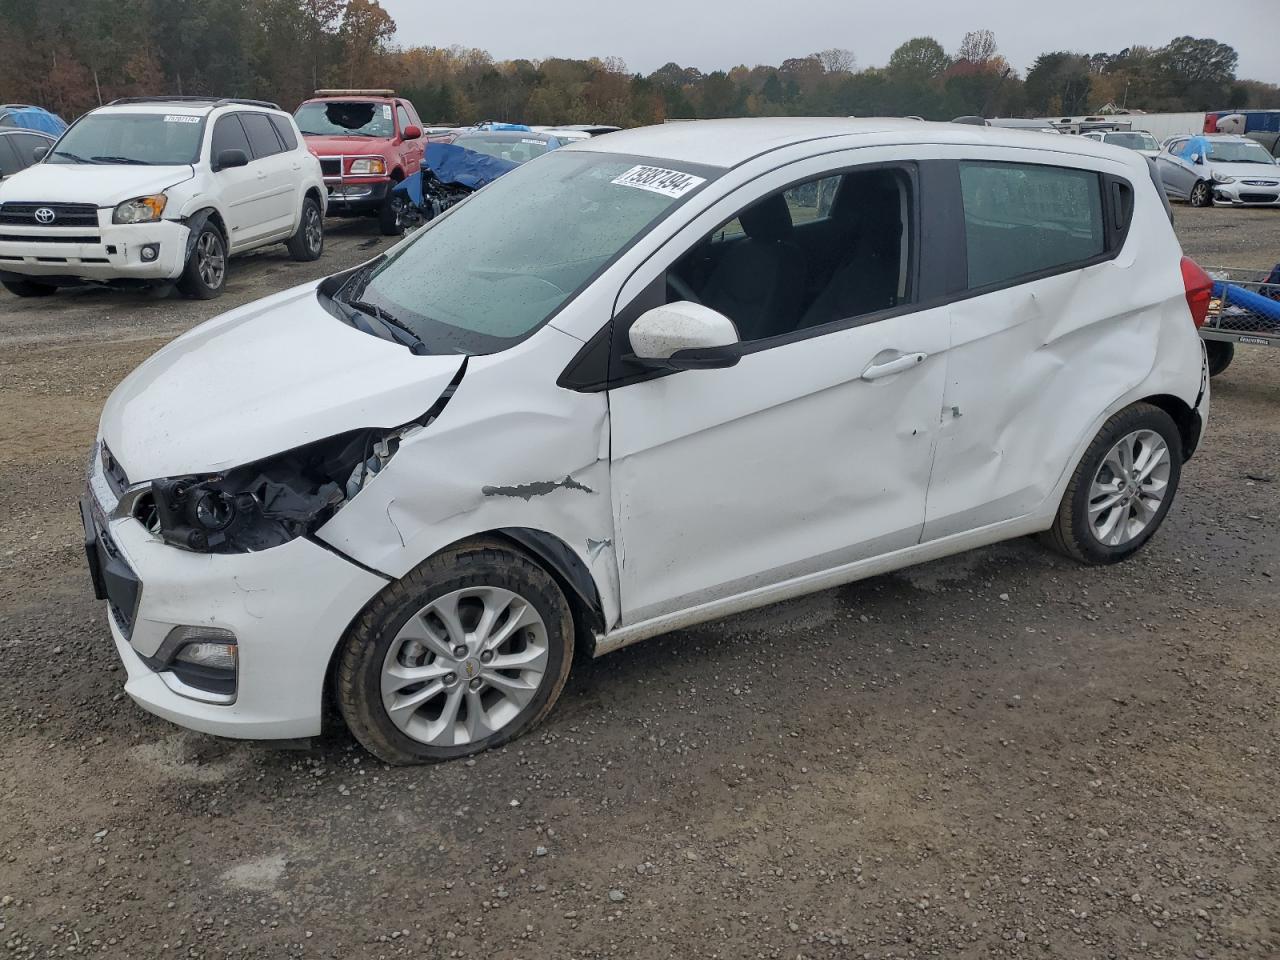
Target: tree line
column 71, row 55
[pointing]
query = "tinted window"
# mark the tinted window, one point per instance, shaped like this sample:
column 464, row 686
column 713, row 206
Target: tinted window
column 827, row 250
column 229, row 135
column 8, row 158
column 1022, row 219
column 284, row 130
column 27, row 145
column 262, row 136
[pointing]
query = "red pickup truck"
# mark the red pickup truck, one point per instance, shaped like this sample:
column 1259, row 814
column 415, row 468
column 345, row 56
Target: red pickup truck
column 367, row 141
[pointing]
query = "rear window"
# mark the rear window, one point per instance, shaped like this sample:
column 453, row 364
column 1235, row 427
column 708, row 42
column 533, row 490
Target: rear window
column 1025, row 219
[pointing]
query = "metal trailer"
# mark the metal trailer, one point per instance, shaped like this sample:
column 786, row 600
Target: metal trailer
column 1245, row 309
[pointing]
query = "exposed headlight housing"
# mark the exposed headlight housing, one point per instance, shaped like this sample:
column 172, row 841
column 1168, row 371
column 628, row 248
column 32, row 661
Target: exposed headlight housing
column 141, row 209
column 368, row 167
column 1220, row 178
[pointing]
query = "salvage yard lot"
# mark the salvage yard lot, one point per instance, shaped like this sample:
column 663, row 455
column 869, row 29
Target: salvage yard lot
column 1001, row 754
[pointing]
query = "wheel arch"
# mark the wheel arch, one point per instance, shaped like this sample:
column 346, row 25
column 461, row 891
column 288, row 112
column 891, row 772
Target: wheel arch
column 196, row 221
column 1186, row 419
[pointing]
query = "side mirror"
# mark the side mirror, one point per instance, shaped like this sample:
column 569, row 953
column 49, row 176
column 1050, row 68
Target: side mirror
column 684, row 336
column 231, row 158
column 39, row 153
column 411, row 133
column 1197, row 159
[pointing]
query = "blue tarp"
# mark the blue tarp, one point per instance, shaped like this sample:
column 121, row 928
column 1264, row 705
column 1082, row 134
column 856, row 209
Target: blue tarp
column 1256, row 303
column 515, row 127
column 32, row 118
column 453, row 164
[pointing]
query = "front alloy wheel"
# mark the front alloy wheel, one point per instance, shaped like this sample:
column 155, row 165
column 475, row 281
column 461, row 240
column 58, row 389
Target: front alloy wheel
column 1201, row 195
column 468, row 650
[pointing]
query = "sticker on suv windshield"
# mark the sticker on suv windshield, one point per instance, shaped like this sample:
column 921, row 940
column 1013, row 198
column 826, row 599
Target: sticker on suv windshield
column 180, row 118
column 669, row 183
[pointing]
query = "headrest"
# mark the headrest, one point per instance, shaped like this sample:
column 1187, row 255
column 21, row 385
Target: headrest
column 770, row 219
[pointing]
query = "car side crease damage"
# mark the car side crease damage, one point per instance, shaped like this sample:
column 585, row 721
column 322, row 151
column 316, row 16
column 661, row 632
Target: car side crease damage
column 538, row 488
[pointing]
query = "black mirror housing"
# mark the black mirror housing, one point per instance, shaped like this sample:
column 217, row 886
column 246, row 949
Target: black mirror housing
column 231, row 158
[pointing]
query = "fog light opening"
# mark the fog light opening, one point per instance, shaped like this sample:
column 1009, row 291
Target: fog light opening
column 151, row 252
column 204, row 658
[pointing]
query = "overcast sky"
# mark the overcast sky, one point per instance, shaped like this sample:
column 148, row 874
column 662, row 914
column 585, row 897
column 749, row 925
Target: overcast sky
column 718, row 34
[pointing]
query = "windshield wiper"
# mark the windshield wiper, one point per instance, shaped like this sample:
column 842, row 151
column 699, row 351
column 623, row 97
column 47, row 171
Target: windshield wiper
column 131, row 160
column 406, row 334
column 71, row 156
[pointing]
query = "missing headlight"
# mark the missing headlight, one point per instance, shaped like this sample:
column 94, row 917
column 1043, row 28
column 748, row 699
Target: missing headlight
column 272, row 501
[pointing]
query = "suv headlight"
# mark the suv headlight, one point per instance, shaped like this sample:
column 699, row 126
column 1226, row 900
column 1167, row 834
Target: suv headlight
column 1220, row 178
column 369, row 166
column 140, row 209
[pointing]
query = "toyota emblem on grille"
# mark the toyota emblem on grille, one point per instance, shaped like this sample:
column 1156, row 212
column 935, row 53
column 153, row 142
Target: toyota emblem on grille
column 45, row 215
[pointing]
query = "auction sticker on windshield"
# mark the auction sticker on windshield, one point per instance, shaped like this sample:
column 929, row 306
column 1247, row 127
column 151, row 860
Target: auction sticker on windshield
column 669, row 183
column 180, row 118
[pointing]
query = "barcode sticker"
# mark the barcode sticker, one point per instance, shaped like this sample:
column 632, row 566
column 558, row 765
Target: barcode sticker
column 669, row 183
column 180, row 118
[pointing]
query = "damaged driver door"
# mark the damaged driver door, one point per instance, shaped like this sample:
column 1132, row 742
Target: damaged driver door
column 813, row 450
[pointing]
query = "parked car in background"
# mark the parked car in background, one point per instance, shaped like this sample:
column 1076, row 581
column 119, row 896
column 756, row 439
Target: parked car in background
column 367, row 142
column 20, row 148
column 1219, row 168
column 1138, row 140
column 1270, row 141
column 518, row 146
column 1016, row 123
column 160, row 191
column 635, row 385
column 31, row 118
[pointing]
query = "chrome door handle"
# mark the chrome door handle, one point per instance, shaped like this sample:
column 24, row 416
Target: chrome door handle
column 889, row 368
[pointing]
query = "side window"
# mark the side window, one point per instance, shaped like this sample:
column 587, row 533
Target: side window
column 772, row 279
column 8, row 158
column 284, row 130
column 1175, row 147
column 228, row 134
column 262, row 135
column 1022, row 219
column 402, row 115
column 27, row 145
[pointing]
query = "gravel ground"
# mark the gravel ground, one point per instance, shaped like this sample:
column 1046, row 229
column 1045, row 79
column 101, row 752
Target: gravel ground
column 998, row 755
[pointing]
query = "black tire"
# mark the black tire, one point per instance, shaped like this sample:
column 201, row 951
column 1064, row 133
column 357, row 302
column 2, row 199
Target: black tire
column 1201, row 194
column 29, row 288
column 1220, row 353
column 307, row 242
column 390, row 217
column 1072, row 533
column 364, row 649
column 196, row 282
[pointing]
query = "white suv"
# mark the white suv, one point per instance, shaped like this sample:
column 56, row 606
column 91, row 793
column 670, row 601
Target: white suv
column 159, row 191
column 642, row 381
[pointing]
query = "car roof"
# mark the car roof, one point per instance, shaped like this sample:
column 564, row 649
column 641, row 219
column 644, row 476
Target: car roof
column 185, row 107
column 728, row 143
column 7, row 131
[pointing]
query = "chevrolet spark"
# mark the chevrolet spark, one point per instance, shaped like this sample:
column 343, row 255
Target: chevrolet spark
column 639, row 383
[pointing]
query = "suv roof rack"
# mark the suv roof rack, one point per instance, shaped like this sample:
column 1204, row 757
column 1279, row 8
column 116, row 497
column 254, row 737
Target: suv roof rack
column 211, row 101
column 355, row 93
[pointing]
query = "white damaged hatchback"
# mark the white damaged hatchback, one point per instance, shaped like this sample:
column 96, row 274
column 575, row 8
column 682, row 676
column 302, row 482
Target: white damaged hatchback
column 641, row 382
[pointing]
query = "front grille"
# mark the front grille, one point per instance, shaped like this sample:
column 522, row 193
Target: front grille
column 51, row 238
column 64, row 214
column 331, row 166
column 1259, row 183
column 117, row 479
column 1258, row 197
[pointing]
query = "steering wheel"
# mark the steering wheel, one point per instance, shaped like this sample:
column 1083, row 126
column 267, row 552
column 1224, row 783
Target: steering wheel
column 682, row 288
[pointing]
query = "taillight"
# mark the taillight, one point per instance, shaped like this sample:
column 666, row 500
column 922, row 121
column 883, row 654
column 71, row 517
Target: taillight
column 1199, row 287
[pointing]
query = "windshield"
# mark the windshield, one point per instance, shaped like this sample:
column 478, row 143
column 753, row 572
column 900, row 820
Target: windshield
column 515, row 149
column 1238, row 151
column 154, row 139
column 358, row 118
column 1134, row 141
column 496, row 267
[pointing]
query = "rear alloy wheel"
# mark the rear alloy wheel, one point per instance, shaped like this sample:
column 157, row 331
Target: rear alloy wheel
column 205, row 275
column 1220, row 354
column 467, row 651
column 1122, row 488
column 307, row 242
column 29, row 288
column 1201, row 194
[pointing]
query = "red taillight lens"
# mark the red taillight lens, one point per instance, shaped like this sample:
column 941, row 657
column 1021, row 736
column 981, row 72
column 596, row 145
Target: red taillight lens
column 1199, row 286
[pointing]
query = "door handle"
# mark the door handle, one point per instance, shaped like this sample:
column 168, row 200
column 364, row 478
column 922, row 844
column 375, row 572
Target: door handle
column 887, row 369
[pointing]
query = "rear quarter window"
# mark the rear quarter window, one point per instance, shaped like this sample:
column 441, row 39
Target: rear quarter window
column 284, row 130
column 1025, row 219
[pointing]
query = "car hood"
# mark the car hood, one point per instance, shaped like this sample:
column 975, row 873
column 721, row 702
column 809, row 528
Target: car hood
column 257, row 381
column 350, row 146
column 102, row 184
column 1249, row 171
